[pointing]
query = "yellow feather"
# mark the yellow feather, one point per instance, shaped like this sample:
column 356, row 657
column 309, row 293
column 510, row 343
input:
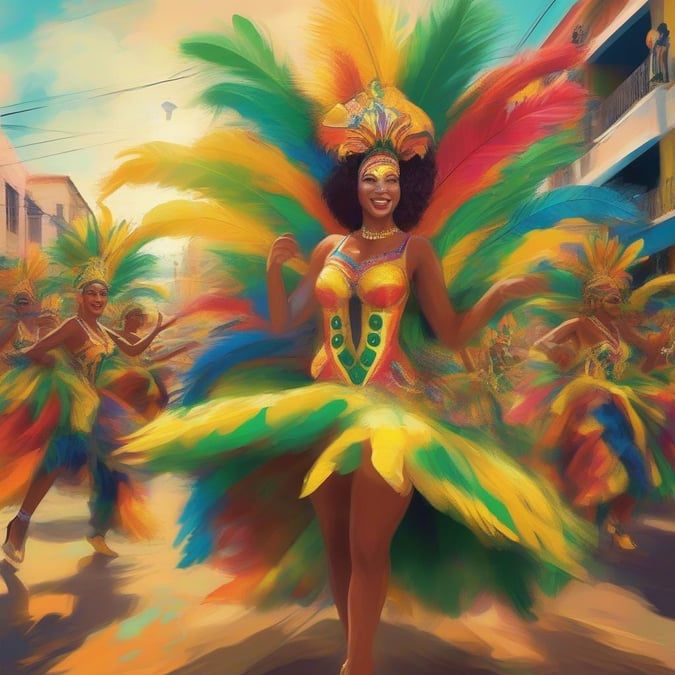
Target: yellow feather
column 388, row 452
column 271, row 169
column 181, row 218
column 641, row 296
column 366, row 31
column 455, row 258
column 536, row 246
column 327, row 462
column 303, row 400
column 534, row 508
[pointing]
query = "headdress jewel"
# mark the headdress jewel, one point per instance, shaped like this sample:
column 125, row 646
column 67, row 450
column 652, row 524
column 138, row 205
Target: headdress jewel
column 95, row 269
column 380, row 120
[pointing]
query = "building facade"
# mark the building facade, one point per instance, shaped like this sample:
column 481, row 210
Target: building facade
column 13, row 212
column 629, row 127
column 60, row 202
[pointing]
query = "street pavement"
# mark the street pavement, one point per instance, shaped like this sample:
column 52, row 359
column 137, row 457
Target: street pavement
column 68, row 610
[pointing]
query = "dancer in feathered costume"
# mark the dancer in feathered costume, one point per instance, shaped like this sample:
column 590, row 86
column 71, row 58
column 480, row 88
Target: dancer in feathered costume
column 51, row 418
column 364, row 441
column 22, row 284
column 133, row 379
column 606, row 417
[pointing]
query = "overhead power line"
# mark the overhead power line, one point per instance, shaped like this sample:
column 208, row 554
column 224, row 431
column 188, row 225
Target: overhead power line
column 533, row 27
column 115, row 92
column 64, row 152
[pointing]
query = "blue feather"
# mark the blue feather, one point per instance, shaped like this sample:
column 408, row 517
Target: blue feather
column 235, row 349
column 618, row 434
column 655, row 238
column 596, row 204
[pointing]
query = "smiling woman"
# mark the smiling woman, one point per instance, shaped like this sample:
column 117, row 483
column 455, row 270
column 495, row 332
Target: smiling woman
column 356, row 423
column 64, row 432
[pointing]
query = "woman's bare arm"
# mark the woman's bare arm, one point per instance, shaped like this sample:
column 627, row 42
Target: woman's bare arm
column 455, row 329
column 288, row 312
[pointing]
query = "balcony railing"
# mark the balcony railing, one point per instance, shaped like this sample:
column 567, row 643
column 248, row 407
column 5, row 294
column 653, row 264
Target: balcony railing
column 562, row 177
column 659, row 201
column 624, row 97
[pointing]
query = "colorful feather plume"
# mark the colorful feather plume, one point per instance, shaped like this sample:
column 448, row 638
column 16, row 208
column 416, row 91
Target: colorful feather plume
column 260, row 88
column 353, row 43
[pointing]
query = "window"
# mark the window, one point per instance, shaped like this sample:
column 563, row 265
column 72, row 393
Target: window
column 35, row 229
column 59, row 210
column 12, row 208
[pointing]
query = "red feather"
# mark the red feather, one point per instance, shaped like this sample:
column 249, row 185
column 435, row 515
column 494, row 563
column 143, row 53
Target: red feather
column 347, row 80
column 12, row 425
column 496, row 88
column 40, row 431
column 219, row 304
column 472, row 161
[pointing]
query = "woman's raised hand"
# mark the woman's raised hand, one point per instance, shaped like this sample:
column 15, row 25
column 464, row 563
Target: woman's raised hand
column 284, row 248
column 163, row 323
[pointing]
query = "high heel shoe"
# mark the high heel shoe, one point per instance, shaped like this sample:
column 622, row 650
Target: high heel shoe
column 15, row 555
column 98, row 543
column 619, row 536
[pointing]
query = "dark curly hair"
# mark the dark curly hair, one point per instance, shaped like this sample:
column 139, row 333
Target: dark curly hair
column 417, row 183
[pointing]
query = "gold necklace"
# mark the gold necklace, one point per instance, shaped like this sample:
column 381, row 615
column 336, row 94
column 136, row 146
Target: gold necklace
column 614, row 339
column 381, row 234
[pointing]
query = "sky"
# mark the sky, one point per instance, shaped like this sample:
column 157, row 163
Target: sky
column 83, row 80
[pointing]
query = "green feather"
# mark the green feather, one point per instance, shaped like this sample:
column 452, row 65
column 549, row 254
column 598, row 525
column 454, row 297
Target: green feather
column 444, row 53
column 440, row 463
column 297, row 437
column 259, row 87
column 519, row 182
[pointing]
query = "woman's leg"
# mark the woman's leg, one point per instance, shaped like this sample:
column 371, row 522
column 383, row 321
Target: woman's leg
column 331, row 503
column 38, row 488
column 376, row 511
column 104, row 495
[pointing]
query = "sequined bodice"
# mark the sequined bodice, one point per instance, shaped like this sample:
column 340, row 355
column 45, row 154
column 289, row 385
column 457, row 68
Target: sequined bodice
column 23, row 337
column 87, row 360
column 606, row 360
column 380, row 285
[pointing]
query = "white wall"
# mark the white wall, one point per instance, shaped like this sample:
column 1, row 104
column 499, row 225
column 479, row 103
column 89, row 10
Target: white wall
column 12, row 171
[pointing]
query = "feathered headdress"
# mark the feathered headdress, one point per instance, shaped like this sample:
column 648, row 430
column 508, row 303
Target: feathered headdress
column 100, row 250
column 585, row 268
column 374, row 79
column 602, row 263
column 25, row 276
column 380, row 119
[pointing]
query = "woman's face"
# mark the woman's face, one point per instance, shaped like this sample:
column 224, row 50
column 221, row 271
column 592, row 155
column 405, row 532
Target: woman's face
column 25, row 305
column 379, row 191
column 611, row 303
column 94, row 298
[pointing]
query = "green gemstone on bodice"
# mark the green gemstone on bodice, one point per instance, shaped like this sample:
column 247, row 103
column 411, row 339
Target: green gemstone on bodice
column 368, row 357
column 357, row 370
column 346, row 358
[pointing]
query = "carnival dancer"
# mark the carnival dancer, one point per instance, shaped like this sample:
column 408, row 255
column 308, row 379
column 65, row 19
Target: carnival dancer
column 50, row 410
column 392, row 486
column 21, row 285
column 604, row 415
